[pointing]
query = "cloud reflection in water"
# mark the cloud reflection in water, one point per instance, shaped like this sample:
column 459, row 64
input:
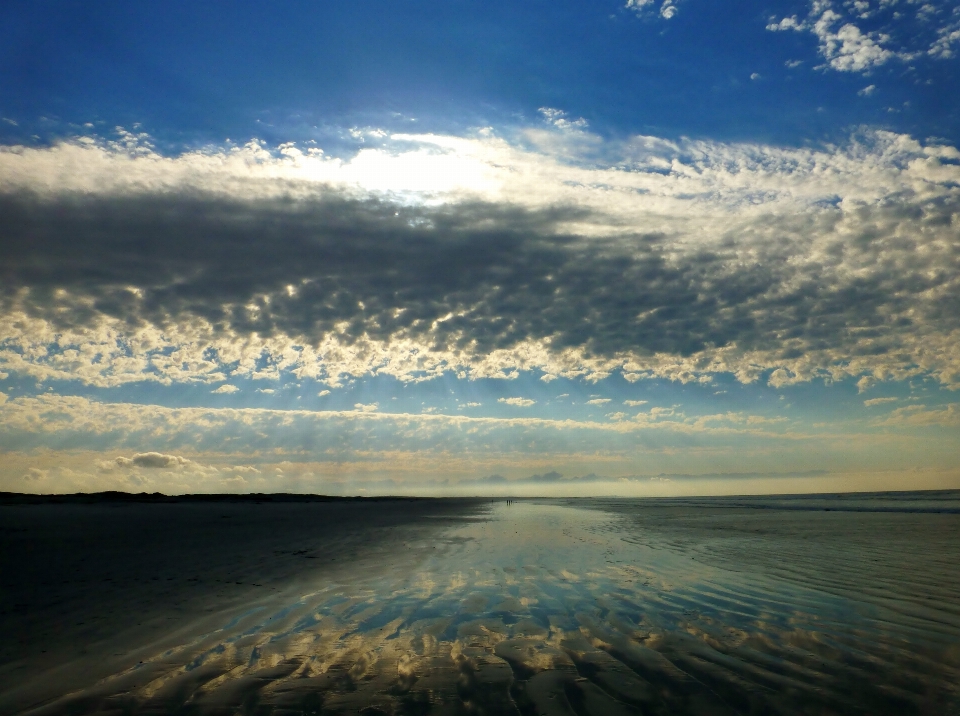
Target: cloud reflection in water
column 554, row 608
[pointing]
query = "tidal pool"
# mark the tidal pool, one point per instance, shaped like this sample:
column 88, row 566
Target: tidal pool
column 599, row 607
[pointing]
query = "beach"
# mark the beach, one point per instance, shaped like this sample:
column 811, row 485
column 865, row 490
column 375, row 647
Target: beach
column 839, row 604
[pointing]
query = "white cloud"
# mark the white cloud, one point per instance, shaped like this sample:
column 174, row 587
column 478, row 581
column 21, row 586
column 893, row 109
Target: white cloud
column 323, row 393
column 848, row 48
column 878, row 401
column 845, row 48
column 558, row 118
column 781, row 377
column 648, row 8
column 867, row 91
column 639, row 6
column 943, row 47
column 656, row 413
column 921, row 416
column 598, row 401
column 366, row 407
column 634, row 403
column 519, row 402
column 226, row 389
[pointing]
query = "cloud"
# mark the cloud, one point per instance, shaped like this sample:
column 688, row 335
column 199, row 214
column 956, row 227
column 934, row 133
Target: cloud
column 598, row 401
column 71, row 422
column 323, row 393
column 648, row 8
column 153, row 460
column 662, row 259
column 878, row 401
column 736, row 475
column 921, row 416
column 227, row 389
column 489, row 479
column 846, row 48
column 634, row 403
column 366, row 408
column 947, row 36
column 901, row 34
column 558, row 118
column 519, row 402
column 313, row 448
column 35, row 474
column 548, row 478
column 867, row 91
column 244, row 469
column 781, row 377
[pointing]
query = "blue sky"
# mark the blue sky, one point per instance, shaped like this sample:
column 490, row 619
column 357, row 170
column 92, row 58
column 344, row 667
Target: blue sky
column 291, row 71
column 661, row 247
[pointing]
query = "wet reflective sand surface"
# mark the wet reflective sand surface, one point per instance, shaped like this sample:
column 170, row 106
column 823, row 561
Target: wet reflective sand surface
column 589, row 607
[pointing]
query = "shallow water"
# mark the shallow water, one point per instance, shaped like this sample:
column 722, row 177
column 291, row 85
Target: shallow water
column 597, row 607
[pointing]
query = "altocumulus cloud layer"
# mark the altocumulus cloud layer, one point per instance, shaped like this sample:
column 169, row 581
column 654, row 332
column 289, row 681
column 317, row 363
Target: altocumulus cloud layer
column 483, row 256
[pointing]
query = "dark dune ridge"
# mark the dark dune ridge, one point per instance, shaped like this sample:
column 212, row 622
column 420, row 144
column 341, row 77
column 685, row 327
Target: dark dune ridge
column 112, row 496
column 826, row 604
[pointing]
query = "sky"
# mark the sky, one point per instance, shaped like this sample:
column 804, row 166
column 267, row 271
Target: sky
column 625, row 247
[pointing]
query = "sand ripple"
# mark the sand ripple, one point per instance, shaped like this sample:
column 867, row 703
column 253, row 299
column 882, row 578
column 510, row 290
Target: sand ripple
column 606, row 608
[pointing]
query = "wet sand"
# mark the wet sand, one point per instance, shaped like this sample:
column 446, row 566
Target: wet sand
column 826, row 605
column 92, row 589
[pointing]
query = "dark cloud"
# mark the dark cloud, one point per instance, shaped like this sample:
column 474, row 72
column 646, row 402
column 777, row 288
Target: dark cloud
column 556, row 478
column 151, row 460
column 736, row 475
column 479, row 277
column 552, row 478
